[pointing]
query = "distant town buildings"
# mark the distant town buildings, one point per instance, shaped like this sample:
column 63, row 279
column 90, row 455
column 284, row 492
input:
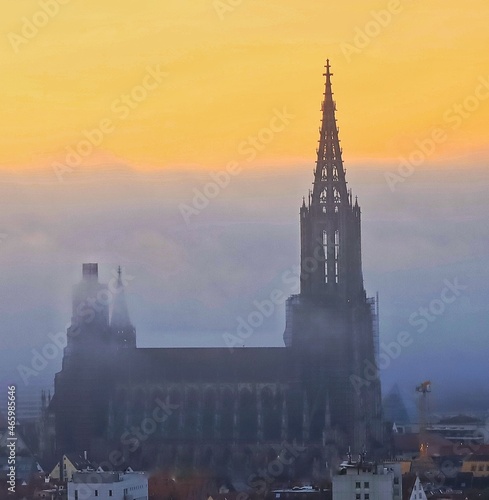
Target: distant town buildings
column 108, row 485
column 477, row 465
column 70, row 463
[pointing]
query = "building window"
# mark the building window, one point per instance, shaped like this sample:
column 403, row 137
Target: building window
column 325, row 250
column 96, row 493
column 336, row 254
column 110, row 493
column 481, row 468
column 367, row 496
column 473, row 468
column 357, row 484
column 366, row 484
column 76, row 494
column 358, row 496
column 396, row 480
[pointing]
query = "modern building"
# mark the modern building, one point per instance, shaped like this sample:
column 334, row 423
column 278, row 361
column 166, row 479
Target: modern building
column 458, row 429
column 203, row 406
column 463, row 429
column 368, row 481
column 107, row 485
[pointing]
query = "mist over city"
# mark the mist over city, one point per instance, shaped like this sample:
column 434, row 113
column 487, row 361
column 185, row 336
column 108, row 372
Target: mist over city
column 191, row 282
column 244, row 250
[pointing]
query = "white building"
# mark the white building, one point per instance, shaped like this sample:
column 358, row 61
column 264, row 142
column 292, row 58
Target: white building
column 412, row 488
column 458, row 429
column 367, row 481
column 93, row 485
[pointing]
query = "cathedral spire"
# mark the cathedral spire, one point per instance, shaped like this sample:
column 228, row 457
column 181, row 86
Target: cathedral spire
column 329, row 178
column 330, row 226
column 120, row 323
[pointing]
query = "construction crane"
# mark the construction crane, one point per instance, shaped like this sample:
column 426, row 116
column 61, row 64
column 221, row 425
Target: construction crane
column 423, row 388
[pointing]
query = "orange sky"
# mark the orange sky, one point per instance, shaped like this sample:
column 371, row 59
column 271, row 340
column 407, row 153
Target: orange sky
column 230, row 66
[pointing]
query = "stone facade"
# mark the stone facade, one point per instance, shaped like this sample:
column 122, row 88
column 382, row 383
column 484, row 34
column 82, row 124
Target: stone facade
column 210, row 407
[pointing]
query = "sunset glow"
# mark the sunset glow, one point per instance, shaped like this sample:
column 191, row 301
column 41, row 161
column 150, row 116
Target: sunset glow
column 401, row 69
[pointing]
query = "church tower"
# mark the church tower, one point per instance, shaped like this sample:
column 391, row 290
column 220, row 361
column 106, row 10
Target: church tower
column 331, row 323
column 330, row 223
column 83, row 386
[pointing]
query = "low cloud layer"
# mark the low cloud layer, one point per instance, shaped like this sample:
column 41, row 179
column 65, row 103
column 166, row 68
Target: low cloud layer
column 194, row 279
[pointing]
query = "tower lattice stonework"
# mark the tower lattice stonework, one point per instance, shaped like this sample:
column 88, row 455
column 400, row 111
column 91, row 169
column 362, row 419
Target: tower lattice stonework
column 332, row 323
column 219, row 408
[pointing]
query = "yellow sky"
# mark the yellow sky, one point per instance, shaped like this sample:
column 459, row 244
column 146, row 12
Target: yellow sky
column 230, row 66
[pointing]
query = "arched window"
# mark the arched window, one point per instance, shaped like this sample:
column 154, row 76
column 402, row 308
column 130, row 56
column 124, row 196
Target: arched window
column 271, row 415
column 191, row 414
column 227, row 414
column 208, row 414
column 248, row 425
column 172, row 427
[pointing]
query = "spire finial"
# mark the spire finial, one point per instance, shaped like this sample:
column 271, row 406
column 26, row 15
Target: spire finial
column 328, row 69
column 119, row 271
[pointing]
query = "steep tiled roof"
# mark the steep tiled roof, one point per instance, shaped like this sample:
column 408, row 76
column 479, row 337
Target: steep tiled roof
column 408, row 482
